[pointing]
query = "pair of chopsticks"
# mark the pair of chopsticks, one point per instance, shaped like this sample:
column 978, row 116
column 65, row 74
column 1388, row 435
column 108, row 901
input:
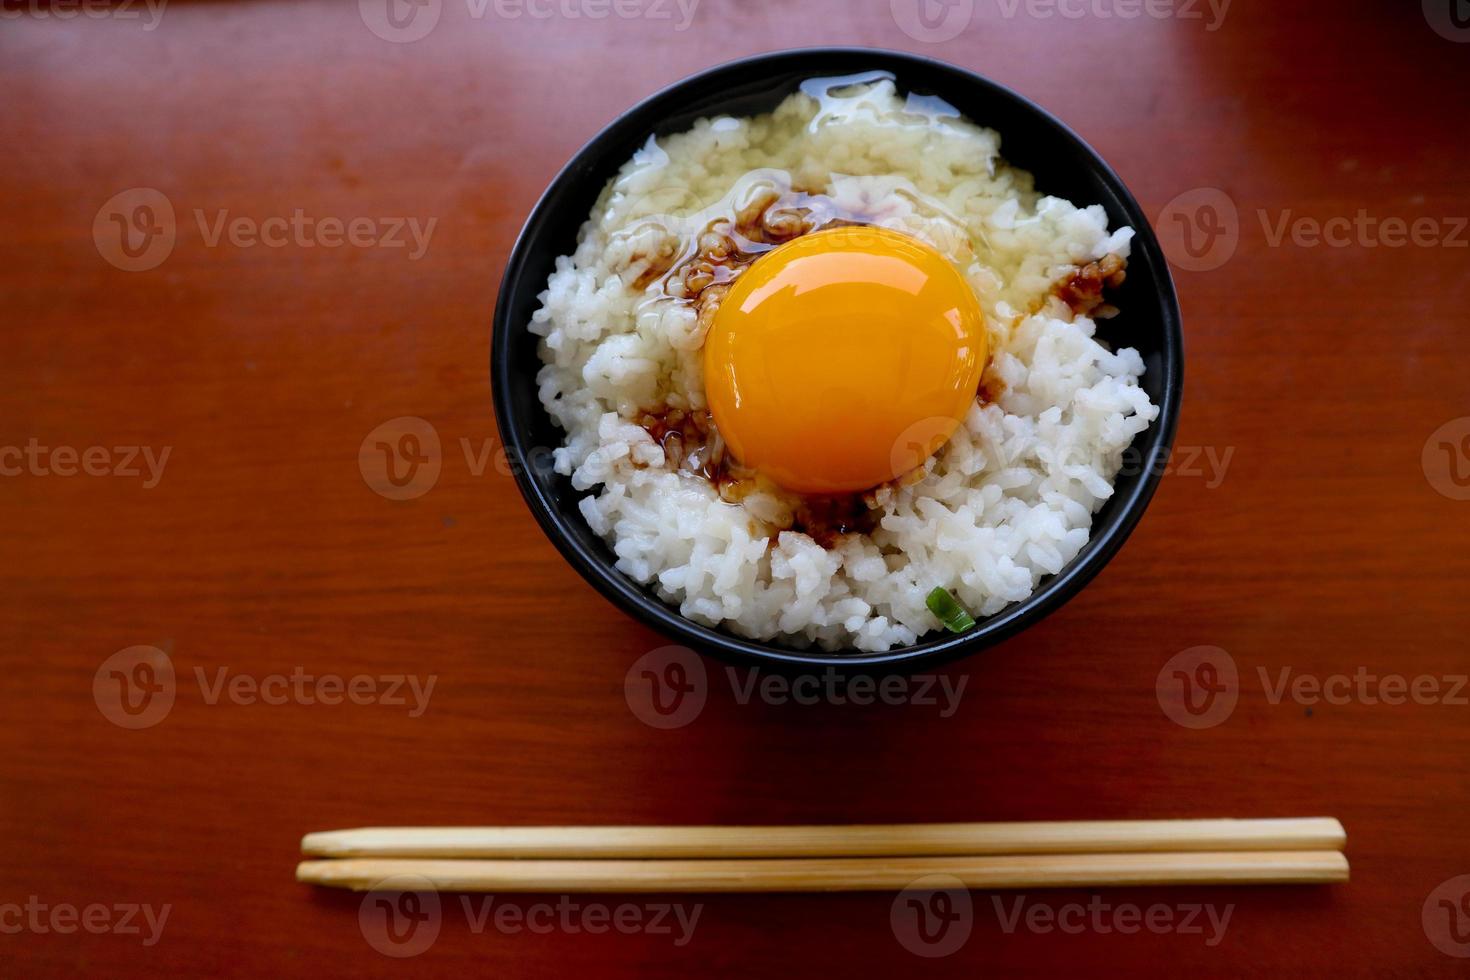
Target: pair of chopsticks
column 832, row 858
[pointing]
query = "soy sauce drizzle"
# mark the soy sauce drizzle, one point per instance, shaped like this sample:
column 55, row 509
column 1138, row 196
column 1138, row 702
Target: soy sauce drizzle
column 714, row 245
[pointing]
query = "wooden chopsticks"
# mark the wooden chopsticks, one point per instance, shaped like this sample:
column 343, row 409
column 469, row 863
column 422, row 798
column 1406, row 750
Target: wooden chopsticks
column 837, row 874
column 832, row 858
column 886, row 840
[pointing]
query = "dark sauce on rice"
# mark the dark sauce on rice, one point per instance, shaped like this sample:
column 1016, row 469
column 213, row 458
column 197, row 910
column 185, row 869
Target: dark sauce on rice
column 691, row 445
column 703, row 274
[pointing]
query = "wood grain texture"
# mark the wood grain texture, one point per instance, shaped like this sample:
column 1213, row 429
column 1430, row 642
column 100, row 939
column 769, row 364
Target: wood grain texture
column 1323, row 549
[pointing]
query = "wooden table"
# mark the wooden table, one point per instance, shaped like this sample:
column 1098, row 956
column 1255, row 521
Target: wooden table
column 1334, row 544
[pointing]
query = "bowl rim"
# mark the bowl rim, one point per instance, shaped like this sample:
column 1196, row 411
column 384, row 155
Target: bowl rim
column 622, row 591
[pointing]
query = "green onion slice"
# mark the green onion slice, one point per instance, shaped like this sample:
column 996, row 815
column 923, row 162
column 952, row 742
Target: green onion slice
column 955, row 617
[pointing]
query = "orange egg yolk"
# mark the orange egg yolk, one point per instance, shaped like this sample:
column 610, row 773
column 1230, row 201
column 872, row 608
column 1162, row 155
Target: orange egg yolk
column 843, row 359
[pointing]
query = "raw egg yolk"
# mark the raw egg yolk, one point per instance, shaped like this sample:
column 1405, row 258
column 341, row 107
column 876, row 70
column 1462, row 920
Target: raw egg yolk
column 843, row 359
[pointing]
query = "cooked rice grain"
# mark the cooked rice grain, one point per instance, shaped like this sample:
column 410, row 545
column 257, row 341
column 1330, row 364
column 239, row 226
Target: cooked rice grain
column 1006, row 502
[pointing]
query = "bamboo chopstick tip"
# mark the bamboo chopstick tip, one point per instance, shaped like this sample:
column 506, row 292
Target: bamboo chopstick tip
column 322, row 843
column 335, row 843
column 328, row 874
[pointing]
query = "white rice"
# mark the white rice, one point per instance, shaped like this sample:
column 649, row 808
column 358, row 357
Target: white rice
column 1008, row 501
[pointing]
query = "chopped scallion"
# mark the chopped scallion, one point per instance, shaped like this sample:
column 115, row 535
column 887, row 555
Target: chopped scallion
column 955, row 617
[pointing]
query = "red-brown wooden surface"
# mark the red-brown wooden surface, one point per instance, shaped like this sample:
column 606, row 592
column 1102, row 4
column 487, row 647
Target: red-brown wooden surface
column 1327, row 546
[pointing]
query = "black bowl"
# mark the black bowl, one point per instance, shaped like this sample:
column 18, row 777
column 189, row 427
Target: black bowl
column 1031, row 139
